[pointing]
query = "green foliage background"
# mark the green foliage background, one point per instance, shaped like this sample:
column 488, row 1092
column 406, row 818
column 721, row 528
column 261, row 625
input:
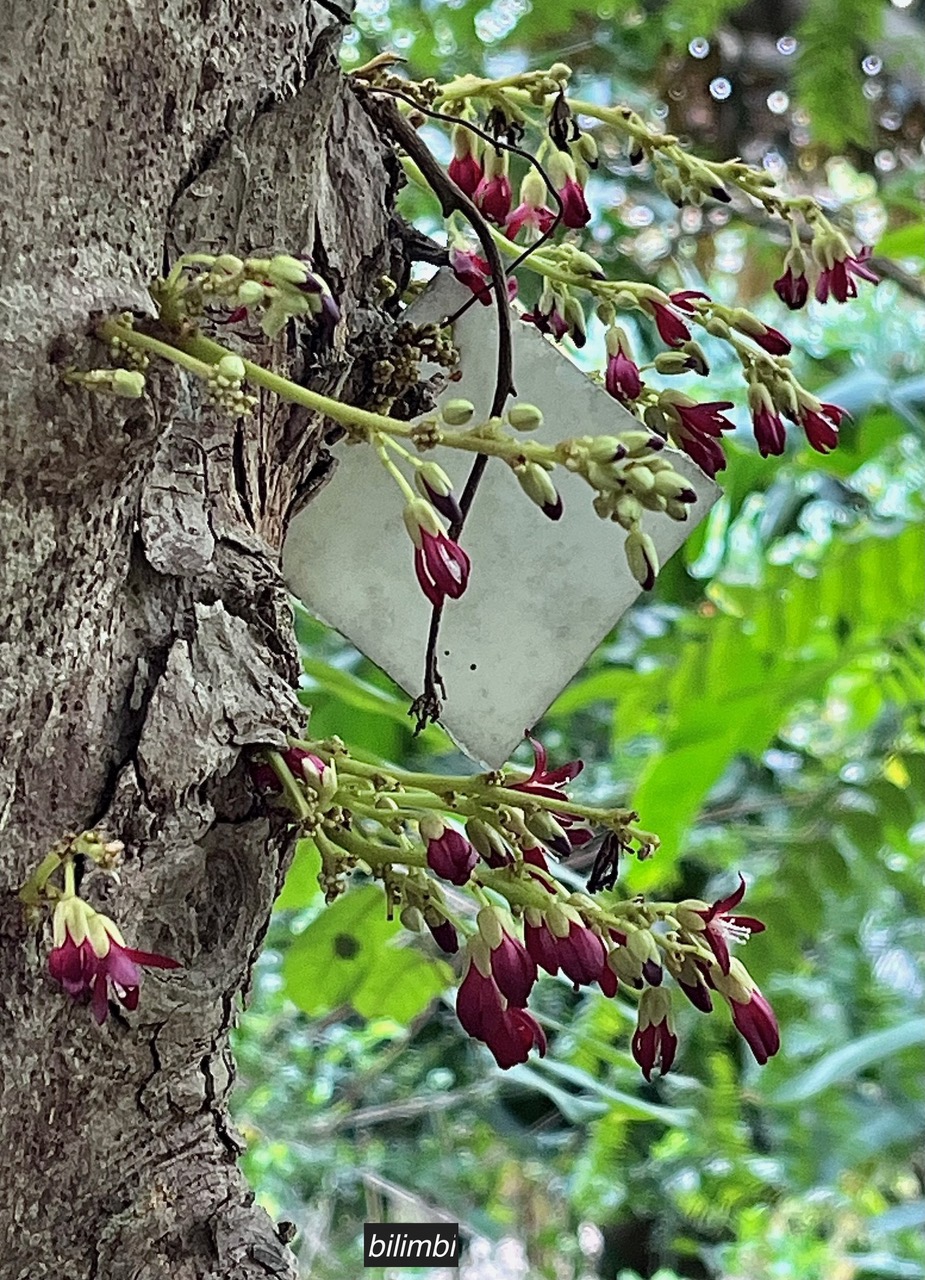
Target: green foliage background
column 760, row 709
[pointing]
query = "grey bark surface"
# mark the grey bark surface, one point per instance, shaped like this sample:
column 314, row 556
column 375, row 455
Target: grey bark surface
column 145, row 638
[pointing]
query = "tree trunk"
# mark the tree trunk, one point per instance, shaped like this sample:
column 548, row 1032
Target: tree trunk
column 144, row 632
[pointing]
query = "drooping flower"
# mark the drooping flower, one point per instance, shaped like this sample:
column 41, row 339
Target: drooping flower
column 756, row 1023
column 449, row 853
column 717, row 926
column 91, row 961
column 464, row 168
column 435, row 485
column 654, row 1041
column 672, row 329
column 493, row 194
column 558, row 313
column 475, row 273
column 821, row 425
column 532, row 213
column 752, row 1015
column 792, row 287
column 622, row 378
column 491, row 846
column 559, row 939
column 522, row 1033
column 695, row 428
column 692, row 977
column 512, row 967
column 767, row 424
column 442, row 932
column 564, row 177
column 839, row 269
column 508, row 1031
column 441, row 565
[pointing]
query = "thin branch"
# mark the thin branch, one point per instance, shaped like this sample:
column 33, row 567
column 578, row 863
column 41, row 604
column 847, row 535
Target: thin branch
column 427, row 707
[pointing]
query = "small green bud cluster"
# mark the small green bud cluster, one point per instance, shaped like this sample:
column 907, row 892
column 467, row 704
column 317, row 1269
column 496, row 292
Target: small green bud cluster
column 225, row 386
column 123, row 351
column 631, row 475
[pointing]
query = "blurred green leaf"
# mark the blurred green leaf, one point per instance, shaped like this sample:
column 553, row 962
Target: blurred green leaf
column 847, row 1061
column 301, row 887
column 343, row 958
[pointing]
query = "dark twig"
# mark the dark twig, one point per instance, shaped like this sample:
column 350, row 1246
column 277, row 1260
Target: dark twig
column 427, row 707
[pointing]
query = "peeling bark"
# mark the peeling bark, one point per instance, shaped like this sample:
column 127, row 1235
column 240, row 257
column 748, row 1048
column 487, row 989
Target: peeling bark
column 145, row 638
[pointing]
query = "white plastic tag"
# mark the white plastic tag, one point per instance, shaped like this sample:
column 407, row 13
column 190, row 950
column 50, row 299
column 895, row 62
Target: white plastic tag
column 541, row 595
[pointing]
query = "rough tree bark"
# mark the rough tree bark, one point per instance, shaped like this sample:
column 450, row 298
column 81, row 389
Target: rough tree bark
column 144, row 632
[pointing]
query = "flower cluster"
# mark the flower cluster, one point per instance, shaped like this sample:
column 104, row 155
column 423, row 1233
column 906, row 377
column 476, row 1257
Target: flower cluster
column 277, row 289
column 89, row 957
column 836, row 268
column 630, row 475
column 494, row 838
column 91, row 961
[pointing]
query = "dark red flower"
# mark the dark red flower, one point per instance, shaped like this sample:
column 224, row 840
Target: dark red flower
column 718, row 926
column 751, row 1013
column 466, row 172
column 442, row 567
column 696, row 989
column 622, row 378
column 564, row 177
column 654, row 1042
column 839, row 278
column 534, row 855
column 264, row 778
column 509, row 1032
column 444, row 934
column 770, row 432
column 792, row 289
column 449, row 853
column 575, row 211
column 519, row 1033
column 579, row 952
column 608, row 982
column 558, row 314
column 91, row 961
column 493, row 194
column 695, row 429
column 543, row 781
column 479, row 1003
column 475, row 273
column 512, row 967
column 683, row 299
column 541, row 942
column 532, row 212
column 822, row 427
column 756, row 1023
column 537, row 219
column 672, row 329
column 773, row 341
